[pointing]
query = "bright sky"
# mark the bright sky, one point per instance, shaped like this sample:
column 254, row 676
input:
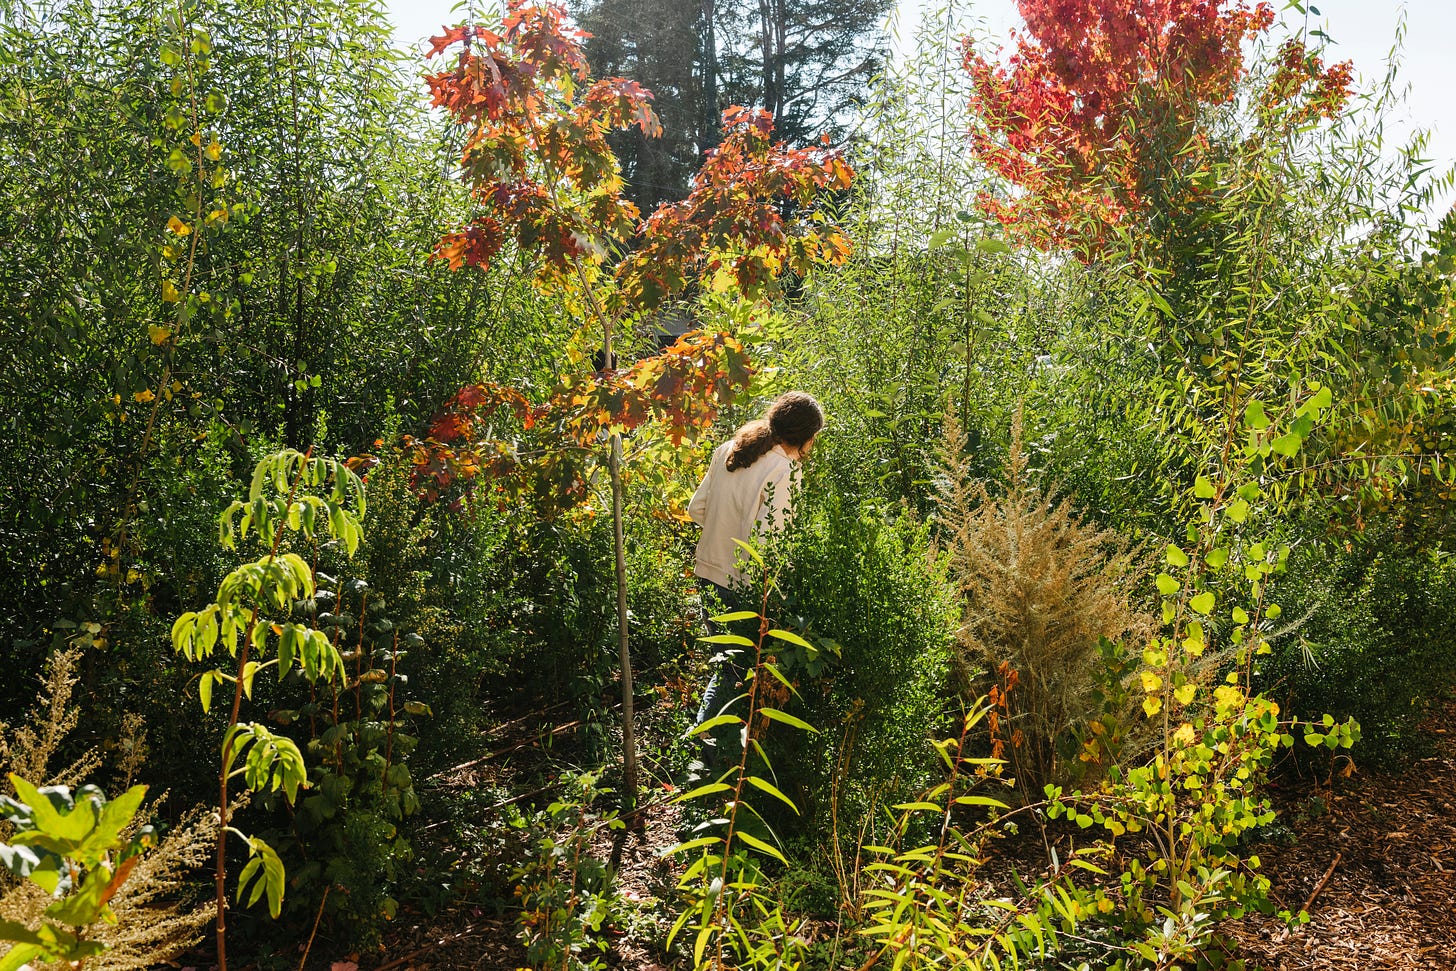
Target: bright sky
column 1362, row 30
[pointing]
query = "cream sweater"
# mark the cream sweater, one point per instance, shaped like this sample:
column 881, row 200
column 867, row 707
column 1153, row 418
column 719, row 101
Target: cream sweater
column 739, row 505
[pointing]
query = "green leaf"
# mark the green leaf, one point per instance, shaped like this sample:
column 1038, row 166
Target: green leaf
column 980, row 801
column 1255, row 417
column 734, row 639
column 19, row 956
column 1203, row 602
column 762, row 847
column 1287, row 445
column 1175, row 556
column 204, row 689
column 772, row 790
column 735, row 616
column 773, row 714
column 117, row 814
column 267, row 868
column 704, row 790
column 1203, row 487
column 692, row 844
column 792, row 638
column 714, row 722
column 1167, row 586
column 942, row 236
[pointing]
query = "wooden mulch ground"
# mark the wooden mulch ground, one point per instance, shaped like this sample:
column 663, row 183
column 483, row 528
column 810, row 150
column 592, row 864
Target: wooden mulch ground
column 1387, row 843
column 1372, row 857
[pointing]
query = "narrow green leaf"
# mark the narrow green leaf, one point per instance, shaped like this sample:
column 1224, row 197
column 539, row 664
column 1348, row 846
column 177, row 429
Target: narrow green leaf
column 762, row 847
column 774, row 714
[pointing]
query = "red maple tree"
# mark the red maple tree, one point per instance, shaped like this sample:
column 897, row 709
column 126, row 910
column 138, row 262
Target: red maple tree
column 544, row 178
column 1100, row 100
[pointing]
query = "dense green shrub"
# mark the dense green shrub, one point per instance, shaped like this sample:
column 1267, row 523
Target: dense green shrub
column 1372, row 635
column 865, row 577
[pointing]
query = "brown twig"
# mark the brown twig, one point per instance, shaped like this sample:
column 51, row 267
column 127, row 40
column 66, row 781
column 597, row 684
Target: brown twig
column 1318, row 889
column 313, row 933
column 1324, row 881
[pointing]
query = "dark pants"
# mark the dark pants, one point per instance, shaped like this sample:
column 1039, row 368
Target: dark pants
column 725, row 691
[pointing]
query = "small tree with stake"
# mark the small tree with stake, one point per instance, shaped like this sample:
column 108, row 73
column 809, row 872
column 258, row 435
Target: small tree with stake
column 543, row 176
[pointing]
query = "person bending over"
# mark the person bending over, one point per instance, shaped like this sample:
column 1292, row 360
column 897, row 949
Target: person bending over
column 746, row 494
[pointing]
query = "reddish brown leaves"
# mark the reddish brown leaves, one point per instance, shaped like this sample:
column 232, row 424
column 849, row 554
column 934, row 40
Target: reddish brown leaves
column 537, row 157
column 542, row 175
column 1099, row 97
column 491, row 430
column 732, row 221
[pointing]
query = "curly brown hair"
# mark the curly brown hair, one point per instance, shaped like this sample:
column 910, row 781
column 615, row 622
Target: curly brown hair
column 793, row 419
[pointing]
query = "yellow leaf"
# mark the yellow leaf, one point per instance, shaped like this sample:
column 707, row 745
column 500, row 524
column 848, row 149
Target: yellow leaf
column 142, row 397
column 196, row 138
column 1185, row 694
column 158, row 335
column 178, row 226
column 169, row 292
column 1151, row 682
column 213, row 151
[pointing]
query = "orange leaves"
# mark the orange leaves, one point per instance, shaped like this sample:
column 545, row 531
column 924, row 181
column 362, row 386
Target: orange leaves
column 733, row 218
column 492, row 431
column 540, row 168
column 476, row 245
column 1303, row 89
column 621, row 103
column 542, row 175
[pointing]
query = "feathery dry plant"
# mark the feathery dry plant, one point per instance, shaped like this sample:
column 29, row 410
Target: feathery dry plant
column 1039, row 588
column 28, row 749
column 157, row 914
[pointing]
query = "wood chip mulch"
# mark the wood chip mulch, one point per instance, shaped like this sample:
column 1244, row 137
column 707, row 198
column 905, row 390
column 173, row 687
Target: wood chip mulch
column 1387, row 844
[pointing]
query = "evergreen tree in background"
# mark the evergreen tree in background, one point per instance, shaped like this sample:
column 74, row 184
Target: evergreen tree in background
column 657, row 43
column 808, row 62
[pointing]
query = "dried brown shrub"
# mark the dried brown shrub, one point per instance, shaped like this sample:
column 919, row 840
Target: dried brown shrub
column 157, row 914
column 1039, row 588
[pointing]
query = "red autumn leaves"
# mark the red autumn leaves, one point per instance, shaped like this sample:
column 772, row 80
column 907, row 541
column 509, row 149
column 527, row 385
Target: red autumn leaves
column 1100, row 99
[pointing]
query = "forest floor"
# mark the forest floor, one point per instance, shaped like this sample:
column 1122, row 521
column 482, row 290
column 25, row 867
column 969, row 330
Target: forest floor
column 1373, row 860
column 1370, row 855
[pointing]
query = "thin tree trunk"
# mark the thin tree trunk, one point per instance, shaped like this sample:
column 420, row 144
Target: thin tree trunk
column 708, row 136
column 629, row 733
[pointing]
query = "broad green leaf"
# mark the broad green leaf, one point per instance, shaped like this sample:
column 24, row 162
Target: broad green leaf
column 1203, row 602
column 1287, row 445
